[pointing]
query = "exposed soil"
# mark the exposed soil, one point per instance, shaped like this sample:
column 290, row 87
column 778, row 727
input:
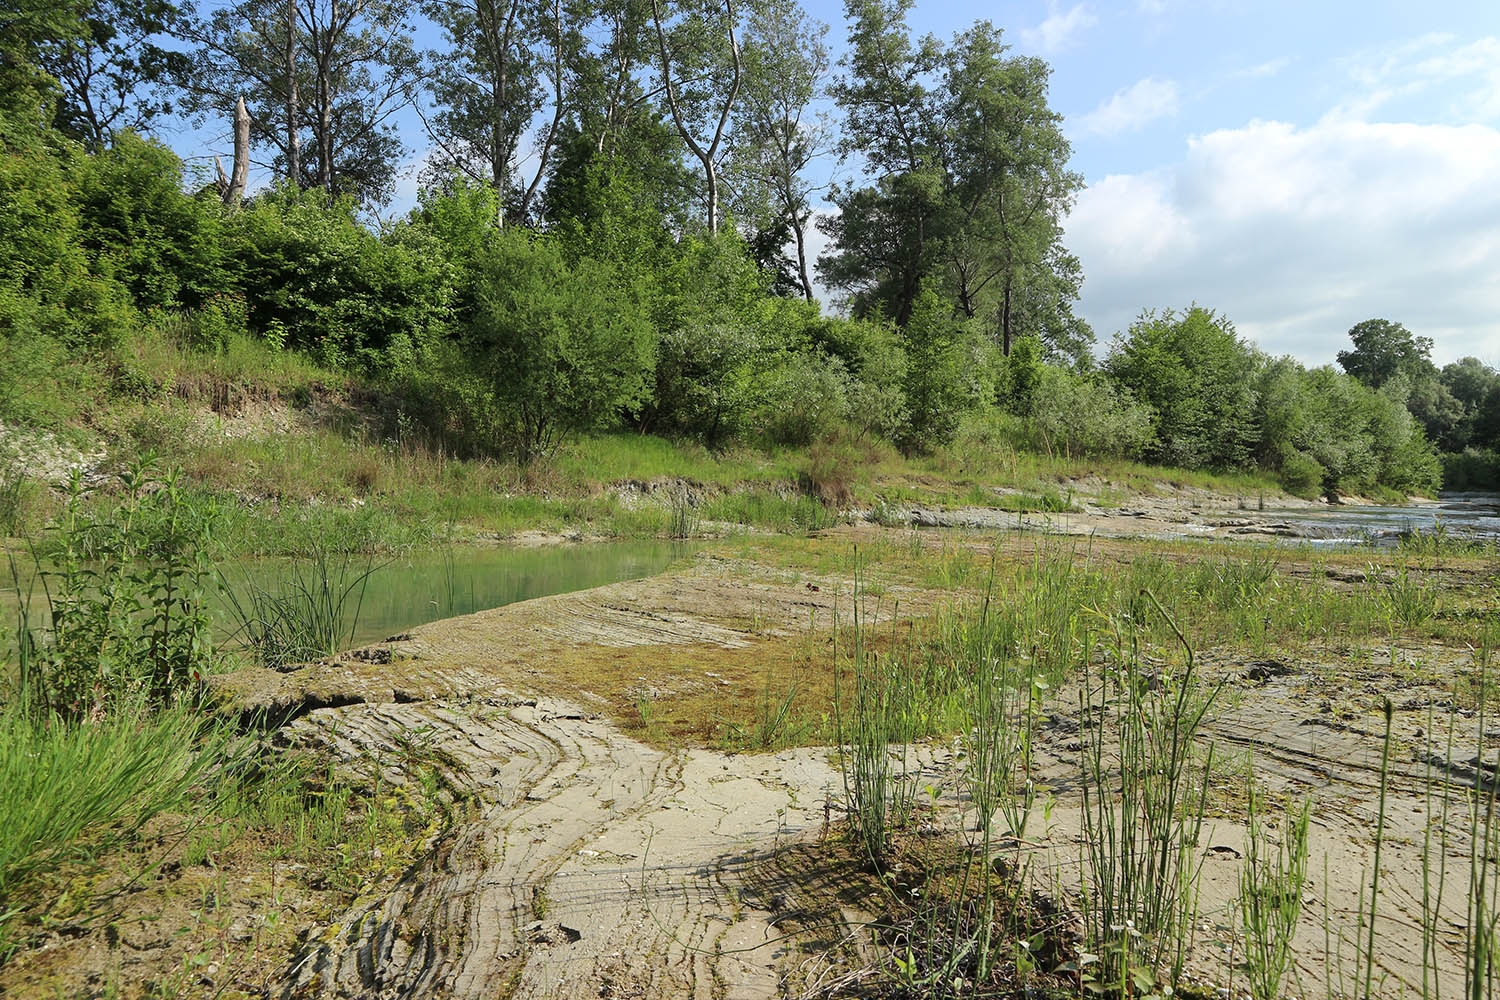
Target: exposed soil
column 596, row 864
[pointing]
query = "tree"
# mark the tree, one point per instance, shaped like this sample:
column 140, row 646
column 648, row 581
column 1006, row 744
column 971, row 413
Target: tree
column 1195, row 373
column 505, row 60
column 701, row 71
column 25, row 87
column 941, row 383
column 564, row 349
column 112, row 74
column 338, row 70
column 880, row 236
column 786, row 60
column 1010, row 191
column 1382, row 350
column 970, row 182
column 1472, row 384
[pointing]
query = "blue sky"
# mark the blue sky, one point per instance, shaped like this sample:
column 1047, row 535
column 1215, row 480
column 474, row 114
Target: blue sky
column 1297, row 166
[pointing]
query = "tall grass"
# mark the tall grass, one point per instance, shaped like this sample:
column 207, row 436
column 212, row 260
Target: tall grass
column 1141, row 861
column 71, row 792
column 1270, row 900
column 874, row 725
column 312, row 611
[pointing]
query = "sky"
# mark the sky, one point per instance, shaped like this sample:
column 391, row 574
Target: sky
column 1296, row 166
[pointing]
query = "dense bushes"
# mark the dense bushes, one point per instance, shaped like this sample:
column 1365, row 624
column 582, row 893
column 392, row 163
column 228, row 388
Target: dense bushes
column 564, row 349
column 505, row 341
column 1193, row 371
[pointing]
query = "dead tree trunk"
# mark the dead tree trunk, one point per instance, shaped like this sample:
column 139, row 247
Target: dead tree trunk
column 235, row 189
column 293, row 147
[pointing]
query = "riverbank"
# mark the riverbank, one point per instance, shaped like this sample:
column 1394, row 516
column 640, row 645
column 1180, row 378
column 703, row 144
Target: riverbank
column 585, row 776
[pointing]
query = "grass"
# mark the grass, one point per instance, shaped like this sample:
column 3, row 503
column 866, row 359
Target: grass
column 71, row 793
column 311, row 612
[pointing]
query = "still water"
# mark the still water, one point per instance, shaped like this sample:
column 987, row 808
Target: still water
column 403, row 592
column 411, row 590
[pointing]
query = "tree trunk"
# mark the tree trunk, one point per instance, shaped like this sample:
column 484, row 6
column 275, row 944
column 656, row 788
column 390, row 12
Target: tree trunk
column 235, row 189
column 325, row 99
column 293, row 147
column 798, row 224
column 1005, row 322
column 711, row 177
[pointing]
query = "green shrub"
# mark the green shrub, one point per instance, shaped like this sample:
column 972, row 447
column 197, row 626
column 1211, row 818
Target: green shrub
column 563, row 349
column 70, row 791
column 1195, row 374
column 942, row 379
column 1472, row 469
column 1084, row 415
column 137, row 224
column 311, row 272
column 127, row 594
column 802, row 398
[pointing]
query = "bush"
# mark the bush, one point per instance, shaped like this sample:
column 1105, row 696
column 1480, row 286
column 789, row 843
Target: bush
column 1472, row 469
column 137, row 224
column 942, row 380
column 563, row 349
column 317, row 278
column 707, row 381
column 1195, row 374
column 1084, row 415
column 48, row 287
column 838, row 461
column 803, row 398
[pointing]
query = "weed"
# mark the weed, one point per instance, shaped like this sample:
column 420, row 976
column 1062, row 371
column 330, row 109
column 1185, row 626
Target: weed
column 1140, row 857
column 312, row 612
column 1270, row 902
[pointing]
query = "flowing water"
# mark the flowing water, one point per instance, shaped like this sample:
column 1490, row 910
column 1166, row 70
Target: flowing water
column 1463, row 515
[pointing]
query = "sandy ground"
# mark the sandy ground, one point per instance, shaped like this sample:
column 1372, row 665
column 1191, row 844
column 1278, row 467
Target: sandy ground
column 594, row 865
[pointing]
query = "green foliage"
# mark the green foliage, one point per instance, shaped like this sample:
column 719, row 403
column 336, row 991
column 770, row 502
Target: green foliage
column 307, row 266
column 941, row 383
column 310, row 612
column 137, row 224
column 1472, row 469
column 1075, row 414
column 1383, row 350
column 564, row 348
column 71, row 791
column 127, row 598
column 49, row 286
column 1194, row 372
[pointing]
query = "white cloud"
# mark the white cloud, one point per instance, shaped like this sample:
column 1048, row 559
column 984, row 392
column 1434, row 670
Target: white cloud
column 1269, row 68
column 1299, row 233
column 1459, row 79
column 1139, row 104
column 1061, row 28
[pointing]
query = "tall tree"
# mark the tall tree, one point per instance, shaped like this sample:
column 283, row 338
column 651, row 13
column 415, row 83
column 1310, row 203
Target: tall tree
column 1384, row 349
column 335, row 70
column 114, row 74
column 970, row 182
column 505, row 60
column 701, row 71
column 1010, row 190
column 27, row 90
column 780, row 134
